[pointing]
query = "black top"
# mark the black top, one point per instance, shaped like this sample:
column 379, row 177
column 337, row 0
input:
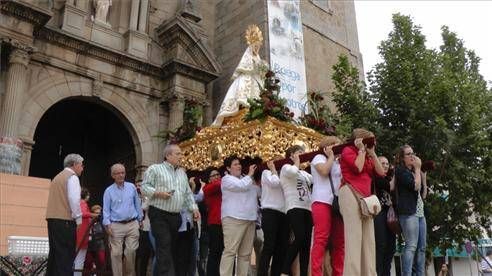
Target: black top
column 97, row 235
column 382, row 185
column 407, row 196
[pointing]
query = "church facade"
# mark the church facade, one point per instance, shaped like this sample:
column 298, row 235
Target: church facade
column 106, row 78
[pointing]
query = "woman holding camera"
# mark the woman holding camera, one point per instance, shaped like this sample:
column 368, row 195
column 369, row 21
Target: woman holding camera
column 410, row 209
column 359, row 164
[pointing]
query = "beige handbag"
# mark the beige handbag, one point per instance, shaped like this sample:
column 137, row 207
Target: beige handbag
column 369, row 206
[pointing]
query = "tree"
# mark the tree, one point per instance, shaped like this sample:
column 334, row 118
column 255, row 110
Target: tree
column 462, row 103
column 400, row 86
column 437, row 102
column 354, row 106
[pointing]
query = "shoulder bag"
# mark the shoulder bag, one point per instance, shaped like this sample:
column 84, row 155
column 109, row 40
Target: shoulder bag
column 369, row 206
column 335, row 206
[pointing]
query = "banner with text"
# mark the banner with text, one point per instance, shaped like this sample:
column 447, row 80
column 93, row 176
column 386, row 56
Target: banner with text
column 287, row 52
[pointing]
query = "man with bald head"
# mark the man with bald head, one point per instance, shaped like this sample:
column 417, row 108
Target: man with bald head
column 166, row 186
column 122, row 215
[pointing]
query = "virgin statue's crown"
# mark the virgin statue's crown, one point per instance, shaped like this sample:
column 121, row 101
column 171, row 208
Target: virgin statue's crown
column 253, row 35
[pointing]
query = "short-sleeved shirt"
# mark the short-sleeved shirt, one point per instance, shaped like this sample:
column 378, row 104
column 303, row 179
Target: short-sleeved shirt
column 321, row 184
column 360, row 181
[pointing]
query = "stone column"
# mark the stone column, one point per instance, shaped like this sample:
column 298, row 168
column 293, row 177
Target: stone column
column 134, row 15
column 142, row 21
column 16, row 83
column 176, row 109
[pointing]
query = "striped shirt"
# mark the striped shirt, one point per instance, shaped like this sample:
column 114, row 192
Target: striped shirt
column 165, row 178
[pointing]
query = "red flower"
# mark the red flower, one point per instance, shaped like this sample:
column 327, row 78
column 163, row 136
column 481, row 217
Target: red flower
column 26, row 260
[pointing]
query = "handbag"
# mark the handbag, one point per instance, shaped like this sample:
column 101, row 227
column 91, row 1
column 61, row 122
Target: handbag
column 392, row 221
column 369, row 206
column 335, row 206
column 391, row 217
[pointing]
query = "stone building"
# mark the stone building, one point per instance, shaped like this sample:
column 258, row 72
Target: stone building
column 104, row 78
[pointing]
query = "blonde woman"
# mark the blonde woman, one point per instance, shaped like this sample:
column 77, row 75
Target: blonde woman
column 359, row 163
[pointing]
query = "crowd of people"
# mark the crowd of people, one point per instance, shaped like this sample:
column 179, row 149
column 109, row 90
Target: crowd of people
column 166, row 224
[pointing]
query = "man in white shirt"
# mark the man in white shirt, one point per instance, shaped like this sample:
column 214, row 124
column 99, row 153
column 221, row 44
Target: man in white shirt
column 63, row 215
column 238, row 214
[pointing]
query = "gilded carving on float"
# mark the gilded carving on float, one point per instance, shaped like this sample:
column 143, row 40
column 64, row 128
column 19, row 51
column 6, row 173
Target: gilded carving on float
column 211, row 145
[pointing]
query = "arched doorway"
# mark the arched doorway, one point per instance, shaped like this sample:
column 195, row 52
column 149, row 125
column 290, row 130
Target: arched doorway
column 91, row 128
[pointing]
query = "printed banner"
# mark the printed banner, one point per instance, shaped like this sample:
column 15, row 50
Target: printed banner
column 287, row 52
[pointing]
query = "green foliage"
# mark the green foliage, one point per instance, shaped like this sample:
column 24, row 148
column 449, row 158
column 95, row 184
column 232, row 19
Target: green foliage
column 437, row 102
column 400, row 86
column 319, row 118
column 192, row 117
column 354, row 106
column 269, row 103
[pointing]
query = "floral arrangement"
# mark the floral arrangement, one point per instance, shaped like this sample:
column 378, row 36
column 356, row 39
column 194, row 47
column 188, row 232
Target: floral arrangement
column 192, row 117
column 319, row 118
column 269, row 103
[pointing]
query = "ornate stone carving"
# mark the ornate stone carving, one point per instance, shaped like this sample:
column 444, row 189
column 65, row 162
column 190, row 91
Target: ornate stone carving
column 191, row 9
column 26, row 12
column 19, row 45
column 194, row 59
column 19, row 56
column 85, row 47
column 97, row 87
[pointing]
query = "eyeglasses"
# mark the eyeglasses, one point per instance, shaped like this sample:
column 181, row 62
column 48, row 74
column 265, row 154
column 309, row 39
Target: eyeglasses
column 410, row 154
column 214, row 174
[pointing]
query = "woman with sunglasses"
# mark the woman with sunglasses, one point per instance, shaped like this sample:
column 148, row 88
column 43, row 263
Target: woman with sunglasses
column 410, row 208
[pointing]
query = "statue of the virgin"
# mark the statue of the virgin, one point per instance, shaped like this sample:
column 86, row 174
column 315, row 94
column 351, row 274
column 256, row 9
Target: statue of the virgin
column 247, row 77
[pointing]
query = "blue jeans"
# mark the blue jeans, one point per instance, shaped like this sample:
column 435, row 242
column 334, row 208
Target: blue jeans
column 414, row 231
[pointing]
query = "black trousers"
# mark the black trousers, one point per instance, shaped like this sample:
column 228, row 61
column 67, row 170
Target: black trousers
column 184, row 253
column 385, row 243
column 215, row 248
column 164, row 226
column 301, row 224
column 276, row 236
column 203, row 251
column 144, row 254
column 61, row 238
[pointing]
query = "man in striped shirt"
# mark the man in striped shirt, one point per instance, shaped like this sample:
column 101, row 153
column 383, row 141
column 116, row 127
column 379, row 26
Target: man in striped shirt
column 166, row 186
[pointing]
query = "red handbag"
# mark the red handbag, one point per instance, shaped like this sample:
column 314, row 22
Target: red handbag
column 392, row 221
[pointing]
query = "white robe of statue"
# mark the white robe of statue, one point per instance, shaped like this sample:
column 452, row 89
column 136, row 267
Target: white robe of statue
column 245, row 85
column 102, row 9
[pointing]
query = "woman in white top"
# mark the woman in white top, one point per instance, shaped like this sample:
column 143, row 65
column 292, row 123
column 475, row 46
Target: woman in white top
column 328, row 227
column 273, row 222
column 238, row 213
column 295, row 184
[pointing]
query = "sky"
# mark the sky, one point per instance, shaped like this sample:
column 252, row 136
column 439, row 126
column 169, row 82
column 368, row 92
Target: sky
column 471, row 20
